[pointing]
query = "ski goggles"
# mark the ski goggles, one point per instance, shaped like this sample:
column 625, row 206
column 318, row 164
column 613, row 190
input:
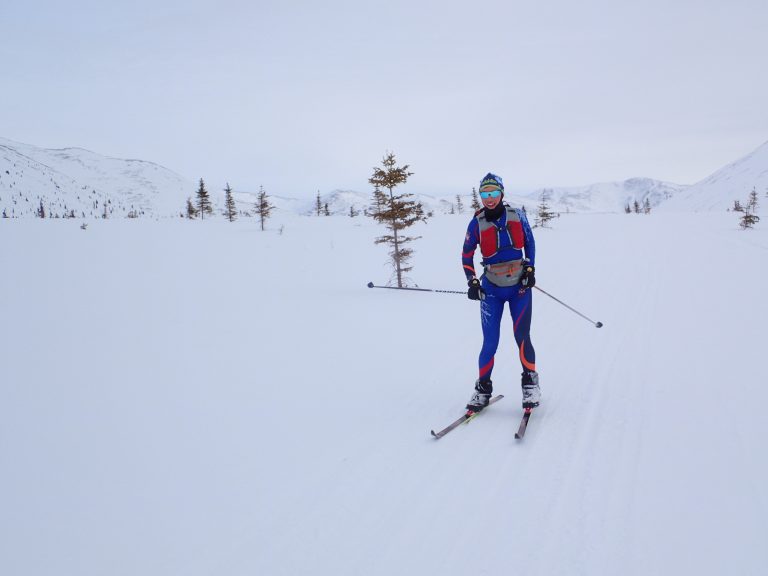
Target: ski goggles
column 490, row 194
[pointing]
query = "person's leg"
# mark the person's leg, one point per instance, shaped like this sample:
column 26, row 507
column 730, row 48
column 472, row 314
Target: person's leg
column 520, row 305
column 491, row 310
column 521, row 308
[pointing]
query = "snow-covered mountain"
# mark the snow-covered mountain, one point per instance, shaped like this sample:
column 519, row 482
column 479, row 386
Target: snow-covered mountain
column 343, row 202
column 81, row 182
column 732, row 182
column 605, row 196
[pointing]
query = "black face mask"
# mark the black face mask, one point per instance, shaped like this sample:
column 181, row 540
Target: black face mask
column 495, row 213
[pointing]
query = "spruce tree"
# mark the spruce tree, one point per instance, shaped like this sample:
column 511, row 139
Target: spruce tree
column 475, row 200
column 396, row 212
column 459, row 204
column 646, row 206
column 752, row 203
column 41, row 210
column 203, row 201
column 318, row 204
column 748, row 219
column 230, row 210
column 543, row 212
column 636, row 207
column 263, row 206
column 191, row 210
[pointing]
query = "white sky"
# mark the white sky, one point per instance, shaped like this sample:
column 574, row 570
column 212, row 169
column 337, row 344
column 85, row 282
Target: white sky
column 307, row 96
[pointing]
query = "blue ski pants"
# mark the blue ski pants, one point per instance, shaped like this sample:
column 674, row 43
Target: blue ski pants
column 491, row 311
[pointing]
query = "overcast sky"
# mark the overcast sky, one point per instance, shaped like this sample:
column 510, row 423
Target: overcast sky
column 307, row 96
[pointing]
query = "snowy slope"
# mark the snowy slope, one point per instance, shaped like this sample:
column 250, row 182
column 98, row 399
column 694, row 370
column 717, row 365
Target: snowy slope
column 607, row 196
column 76, row 180
column 732, row 182
column 211, row 399
column 80, row 180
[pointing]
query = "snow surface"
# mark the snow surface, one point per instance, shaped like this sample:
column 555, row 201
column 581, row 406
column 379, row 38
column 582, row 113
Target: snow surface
column 81, row 180
column 732, row 182
column 187, row 397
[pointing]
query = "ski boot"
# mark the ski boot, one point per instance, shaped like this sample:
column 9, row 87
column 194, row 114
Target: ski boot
column 481, row 397
column 531, row 391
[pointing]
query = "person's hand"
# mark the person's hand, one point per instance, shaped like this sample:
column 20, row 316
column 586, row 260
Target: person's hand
column 528, row 278
column 475, row 292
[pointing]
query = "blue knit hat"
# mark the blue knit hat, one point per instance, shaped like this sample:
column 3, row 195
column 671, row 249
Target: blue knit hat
column 491, row 179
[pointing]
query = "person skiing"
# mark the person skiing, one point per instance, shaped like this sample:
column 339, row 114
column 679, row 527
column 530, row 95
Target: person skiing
column 509, row 251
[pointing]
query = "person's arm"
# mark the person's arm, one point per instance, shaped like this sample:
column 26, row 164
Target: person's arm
column 471, row 241
column 530, row 243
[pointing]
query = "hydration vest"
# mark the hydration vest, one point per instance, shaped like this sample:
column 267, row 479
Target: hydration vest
column 490, row 232
column 507, row 272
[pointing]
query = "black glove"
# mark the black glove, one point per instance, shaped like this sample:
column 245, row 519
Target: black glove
column 528, row 278
column 475, row 292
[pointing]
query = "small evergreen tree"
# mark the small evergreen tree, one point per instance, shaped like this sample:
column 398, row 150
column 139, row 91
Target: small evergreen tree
column 263, row 206
column 353, row 212
column 737, row 206
column 191, row 210
column 748, row 219
column 5, row 214
column 752, row 203
column 41, row 210
column 203, row 201
column 230, row 210
column 646, row 206
column 459, row 204
column 636, row 207
column 326, row 212
column 628, row 209
column 396, row 211
column 476, row 200
column 318, row 204
column 543, row 213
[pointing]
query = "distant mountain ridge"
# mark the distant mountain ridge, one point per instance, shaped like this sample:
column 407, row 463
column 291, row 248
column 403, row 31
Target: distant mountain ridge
column 731, row 182
column 85, row 184
column 81, row 182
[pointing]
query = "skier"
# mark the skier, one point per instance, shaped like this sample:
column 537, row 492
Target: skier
column 509, row 252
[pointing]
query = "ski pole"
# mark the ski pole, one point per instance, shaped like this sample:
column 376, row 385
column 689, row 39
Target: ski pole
column 597, row 324
column 371, row 285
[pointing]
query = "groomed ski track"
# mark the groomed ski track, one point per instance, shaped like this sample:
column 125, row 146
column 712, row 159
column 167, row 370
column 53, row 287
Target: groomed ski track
column 199, row 397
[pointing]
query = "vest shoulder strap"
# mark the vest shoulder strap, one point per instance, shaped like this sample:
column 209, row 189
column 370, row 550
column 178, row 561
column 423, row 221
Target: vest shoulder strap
column 511, row 214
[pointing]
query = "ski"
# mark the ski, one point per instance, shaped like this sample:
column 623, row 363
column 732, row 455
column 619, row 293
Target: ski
column 523, row 424
column 469, row 415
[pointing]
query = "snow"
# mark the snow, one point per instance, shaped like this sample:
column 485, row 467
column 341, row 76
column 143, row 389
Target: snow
column 73, row 179
column 731, row 182
column 83, row 181
column 187, row 397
